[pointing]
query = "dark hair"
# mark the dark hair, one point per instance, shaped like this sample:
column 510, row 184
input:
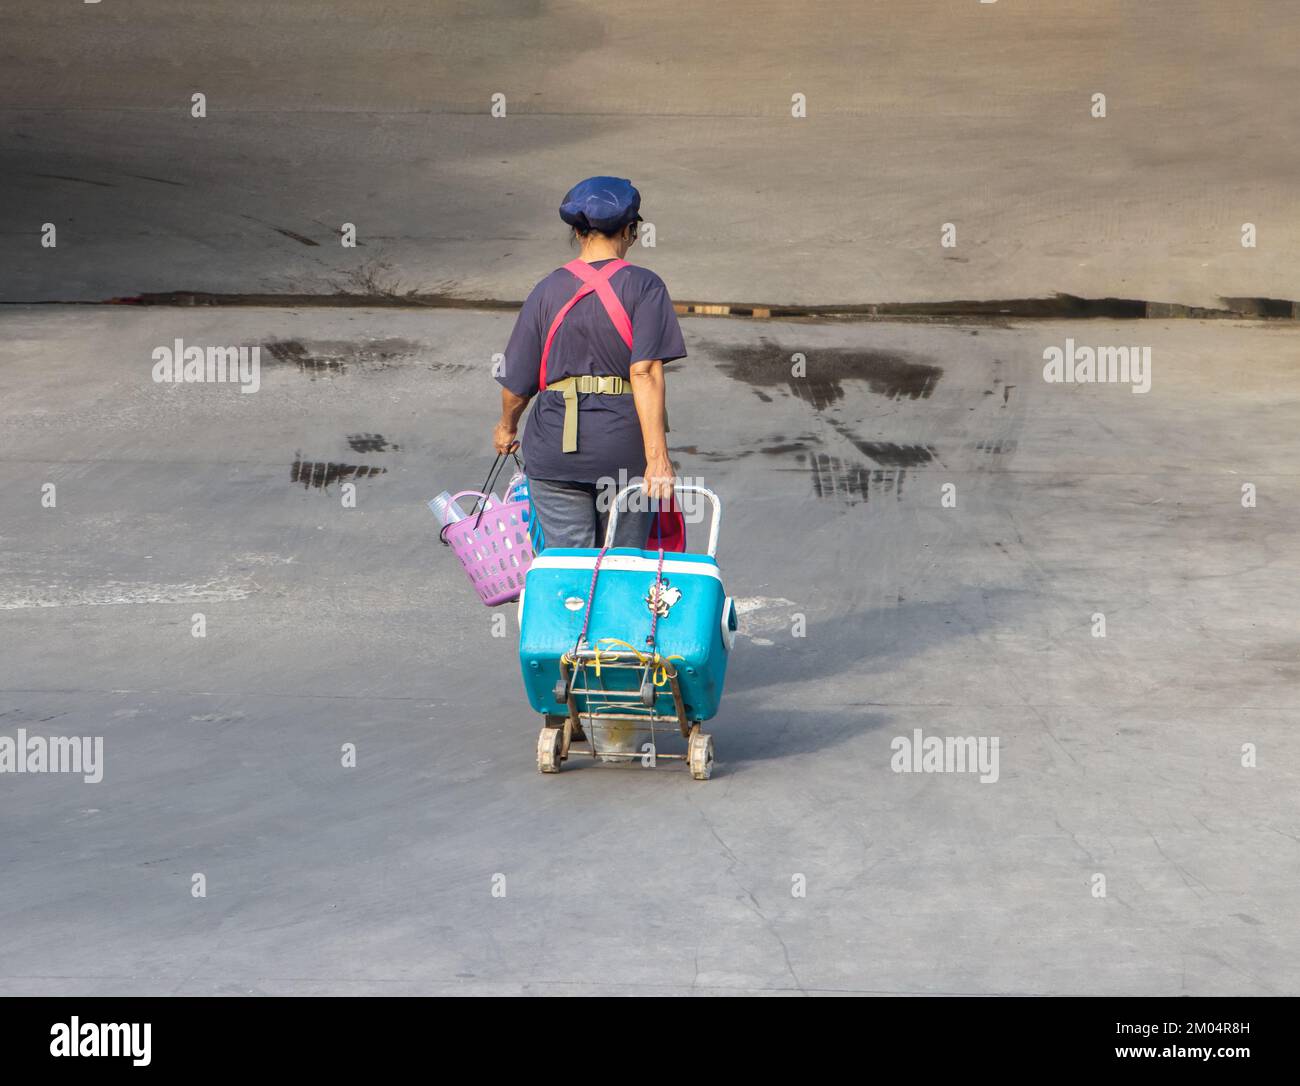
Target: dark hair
column 576, row 232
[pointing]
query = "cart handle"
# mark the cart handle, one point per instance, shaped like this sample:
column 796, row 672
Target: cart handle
column 683, row 488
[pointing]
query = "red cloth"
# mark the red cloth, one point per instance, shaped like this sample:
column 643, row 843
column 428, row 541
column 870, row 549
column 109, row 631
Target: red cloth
column 667, row 529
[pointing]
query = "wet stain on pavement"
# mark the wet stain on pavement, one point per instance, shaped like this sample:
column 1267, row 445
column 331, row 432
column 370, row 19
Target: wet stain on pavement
column 711, row 456
column 833, row 478
column 892, row 455
column 889, row 454
column 823, row 379
column 371, row 443
column 335, row 358
column 852, row 483
column 823, row 371
column 291, row 352
column 321, row 474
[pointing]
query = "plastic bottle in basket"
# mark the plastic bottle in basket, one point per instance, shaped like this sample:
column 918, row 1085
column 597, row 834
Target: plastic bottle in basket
column 449, row 512
column 517, row 491
column 446, row 510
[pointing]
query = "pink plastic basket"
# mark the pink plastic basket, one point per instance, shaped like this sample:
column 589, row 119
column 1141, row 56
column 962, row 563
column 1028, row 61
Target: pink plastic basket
column 494, row 548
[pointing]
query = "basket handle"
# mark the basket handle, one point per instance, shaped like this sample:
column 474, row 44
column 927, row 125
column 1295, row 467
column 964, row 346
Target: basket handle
column 493, row 473
column 477, row 493
column 442, row 532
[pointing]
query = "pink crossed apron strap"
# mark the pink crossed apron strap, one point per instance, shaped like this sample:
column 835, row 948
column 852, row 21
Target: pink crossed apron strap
column 593, row 279
column 599, row 279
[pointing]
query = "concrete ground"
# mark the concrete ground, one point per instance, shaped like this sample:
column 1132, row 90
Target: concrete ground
column 919, row 113
column 1119, row 756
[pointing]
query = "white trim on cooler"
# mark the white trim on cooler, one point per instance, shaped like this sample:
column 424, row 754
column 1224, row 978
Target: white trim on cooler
column 627, row 562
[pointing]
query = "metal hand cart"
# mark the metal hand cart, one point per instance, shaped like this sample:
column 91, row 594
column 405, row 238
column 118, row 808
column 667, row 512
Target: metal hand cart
column 606, row 679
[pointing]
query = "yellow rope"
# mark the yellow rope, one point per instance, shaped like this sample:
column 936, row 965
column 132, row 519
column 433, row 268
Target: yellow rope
column 660, row 664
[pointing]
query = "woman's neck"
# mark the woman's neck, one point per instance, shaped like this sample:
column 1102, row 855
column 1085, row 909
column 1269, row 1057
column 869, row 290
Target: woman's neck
column 598, row 247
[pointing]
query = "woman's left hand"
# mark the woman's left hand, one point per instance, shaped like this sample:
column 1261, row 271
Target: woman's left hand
column 658, row 482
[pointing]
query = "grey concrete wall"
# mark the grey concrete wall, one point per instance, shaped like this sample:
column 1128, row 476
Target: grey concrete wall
column 919, row 113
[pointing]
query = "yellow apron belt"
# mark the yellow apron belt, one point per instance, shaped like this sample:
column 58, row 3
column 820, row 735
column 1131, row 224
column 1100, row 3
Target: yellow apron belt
column 571, row 386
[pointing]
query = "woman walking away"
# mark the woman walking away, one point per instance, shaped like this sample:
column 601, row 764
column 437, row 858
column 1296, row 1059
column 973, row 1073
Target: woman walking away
column 590, row 344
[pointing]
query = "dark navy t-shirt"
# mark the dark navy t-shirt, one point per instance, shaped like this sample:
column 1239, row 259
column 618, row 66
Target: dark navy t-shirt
column 609, row 430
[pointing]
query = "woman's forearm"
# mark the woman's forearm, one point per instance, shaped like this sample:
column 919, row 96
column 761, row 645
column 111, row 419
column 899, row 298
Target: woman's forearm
column 512, row 407
column 648, row 394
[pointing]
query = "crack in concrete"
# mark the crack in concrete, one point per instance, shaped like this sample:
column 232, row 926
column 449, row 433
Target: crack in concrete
column 758, row 909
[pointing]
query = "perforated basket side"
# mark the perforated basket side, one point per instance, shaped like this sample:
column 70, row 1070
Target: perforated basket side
column 495, row 550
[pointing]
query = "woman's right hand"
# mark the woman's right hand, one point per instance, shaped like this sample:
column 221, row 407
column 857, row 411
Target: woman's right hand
column 503, row 437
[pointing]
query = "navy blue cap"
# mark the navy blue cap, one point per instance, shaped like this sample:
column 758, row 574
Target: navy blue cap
column 606, row 204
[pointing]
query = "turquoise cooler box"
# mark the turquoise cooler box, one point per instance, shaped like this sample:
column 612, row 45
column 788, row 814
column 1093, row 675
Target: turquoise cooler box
column 699, row 625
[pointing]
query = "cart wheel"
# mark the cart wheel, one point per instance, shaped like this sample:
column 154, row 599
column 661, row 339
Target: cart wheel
column 648, row 693
column 554, row 720
column 549, row 744
column 561, row 692
column 699, row 754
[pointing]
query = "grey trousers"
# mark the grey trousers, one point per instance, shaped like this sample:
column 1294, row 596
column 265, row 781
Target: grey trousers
column 570, row 518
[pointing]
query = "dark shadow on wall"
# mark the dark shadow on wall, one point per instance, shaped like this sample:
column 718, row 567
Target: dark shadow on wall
column 314, row 117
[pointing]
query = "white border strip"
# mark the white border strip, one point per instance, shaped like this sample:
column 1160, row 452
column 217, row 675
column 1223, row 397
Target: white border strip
column 626, row 562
